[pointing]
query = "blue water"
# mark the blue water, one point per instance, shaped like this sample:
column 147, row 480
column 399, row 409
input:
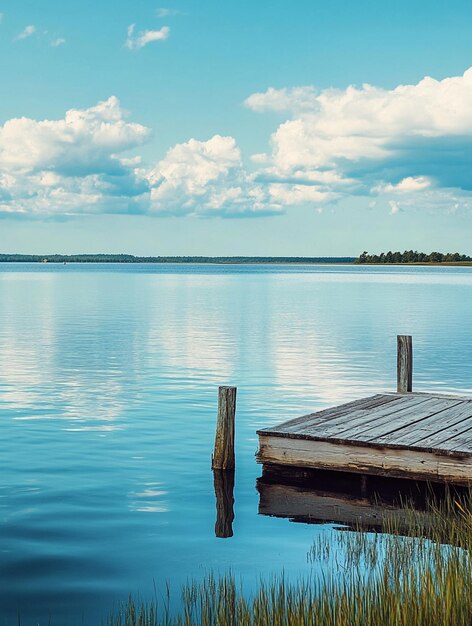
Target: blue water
column 108, row 388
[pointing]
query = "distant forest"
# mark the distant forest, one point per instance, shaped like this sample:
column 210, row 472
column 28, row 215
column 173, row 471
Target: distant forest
column 410, row 256
column 129, row 258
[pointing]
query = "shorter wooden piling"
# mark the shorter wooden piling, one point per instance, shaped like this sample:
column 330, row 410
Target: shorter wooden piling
column 404, row 364
column 223, row 456
column 223, row 481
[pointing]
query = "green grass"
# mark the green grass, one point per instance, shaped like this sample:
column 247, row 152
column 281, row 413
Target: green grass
column 419, row 578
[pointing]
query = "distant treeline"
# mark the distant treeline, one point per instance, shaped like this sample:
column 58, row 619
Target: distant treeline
column 129, row 258
column 412, row 256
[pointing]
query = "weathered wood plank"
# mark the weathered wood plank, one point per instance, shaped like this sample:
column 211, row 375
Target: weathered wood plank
column 350, row 410
column 458, row 442
column 365, row 459
column 331, row 413
column 362, row 420
column 433, row 430
column 406, row 418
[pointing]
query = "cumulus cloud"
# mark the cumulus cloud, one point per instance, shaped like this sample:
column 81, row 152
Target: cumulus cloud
column 85, row 141
column 76, row 165
column 71, row 165
column 207, row 178
column 139, row 40
column 404, row 149
column 59, row 41
column 26, row 32
column 405, row 140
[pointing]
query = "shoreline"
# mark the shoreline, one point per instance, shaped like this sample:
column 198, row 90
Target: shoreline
column 130, row 259
column 232, row 262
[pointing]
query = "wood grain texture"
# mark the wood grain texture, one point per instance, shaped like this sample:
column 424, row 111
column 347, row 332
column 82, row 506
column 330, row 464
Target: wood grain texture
column 223, row 455
column 360, row 422
column 437, row 428
column 332, row 413
column 363, row 459
column 404, row 363
column 386, row 429
column 428, row 436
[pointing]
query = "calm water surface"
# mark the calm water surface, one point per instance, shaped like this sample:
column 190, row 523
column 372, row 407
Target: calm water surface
column 108, row 379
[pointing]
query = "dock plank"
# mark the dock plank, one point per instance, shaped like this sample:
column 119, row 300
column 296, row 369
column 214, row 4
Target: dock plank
column 415, row 435
column 407, row 418
column 330, row 413
column 439, row 427
column 458, row 442
column 363, row 420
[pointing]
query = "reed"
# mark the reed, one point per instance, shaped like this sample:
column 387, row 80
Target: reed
column 421, row 576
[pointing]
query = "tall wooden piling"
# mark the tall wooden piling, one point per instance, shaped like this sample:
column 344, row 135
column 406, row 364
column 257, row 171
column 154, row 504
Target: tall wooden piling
column 223, row 456
column 404, row 363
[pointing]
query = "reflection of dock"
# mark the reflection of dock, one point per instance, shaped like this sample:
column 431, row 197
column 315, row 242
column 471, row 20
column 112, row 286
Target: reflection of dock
column 317, row 496
column 424, row 436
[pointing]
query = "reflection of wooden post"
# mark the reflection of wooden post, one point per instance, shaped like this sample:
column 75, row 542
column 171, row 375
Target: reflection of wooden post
column 404, row 364
column 223, row 457
column 224, row 492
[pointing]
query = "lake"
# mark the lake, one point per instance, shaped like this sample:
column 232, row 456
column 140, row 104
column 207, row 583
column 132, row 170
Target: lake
column 108, row 390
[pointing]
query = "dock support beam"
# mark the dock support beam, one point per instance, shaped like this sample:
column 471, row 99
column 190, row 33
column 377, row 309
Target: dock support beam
column 404, row 364
column 223, row 456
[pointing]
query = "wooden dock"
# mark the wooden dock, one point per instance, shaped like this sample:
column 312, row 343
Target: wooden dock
column 425, row 436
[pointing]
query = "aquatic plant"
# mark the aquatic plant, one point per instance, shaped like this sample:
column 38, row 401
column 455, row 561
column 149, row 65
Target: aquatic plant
column 420, row 576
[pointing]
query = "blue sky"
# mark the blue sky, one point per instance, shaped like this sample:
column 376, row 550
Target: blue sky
column 281, row 128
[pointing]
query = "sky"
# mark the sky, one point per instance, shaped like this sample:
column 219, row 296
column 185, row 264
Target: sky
column 179, row 127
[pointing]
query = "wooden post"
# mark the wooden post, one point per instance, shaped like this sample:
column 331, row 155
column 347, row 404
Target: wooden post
column 404, row 364
column 223, row 481
column 223, row 456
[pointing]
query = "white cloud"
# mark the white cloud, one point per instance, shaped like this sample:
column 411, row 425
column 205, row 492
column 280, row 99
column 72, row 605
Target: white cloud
column 423, row 109
column 27, row 32
column 163, row 12
column 297, row 195
column 407, row 148
column 260, row 157
column 71, row 165
column 405, row 140
column 282, row 100
column 206, row 178
column 30, row 30
column 429, row 201
column 85, row 140
column 76, row 165
column 139, row 40
column 406, row 185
